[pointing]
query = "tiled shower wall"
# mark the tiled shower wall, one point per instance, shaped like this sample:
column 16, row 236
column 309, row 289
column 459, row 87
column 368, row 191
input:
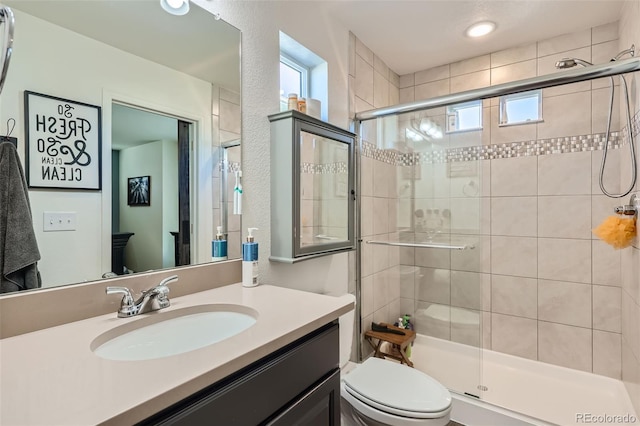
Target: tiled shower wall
column 373, row 85
column 227, row 127
column 630, row 258
column 545, row 288
column 549, row 290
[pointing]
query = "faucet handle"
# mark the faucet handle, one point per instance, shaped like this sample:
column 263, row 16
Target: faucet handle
column 127, row 305
column 127, row 298
column 162, row 289
column 167, row 281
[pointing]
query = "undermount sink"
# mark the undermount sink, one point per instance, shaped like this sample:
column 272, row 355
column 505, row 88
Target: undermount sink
column 173, row 332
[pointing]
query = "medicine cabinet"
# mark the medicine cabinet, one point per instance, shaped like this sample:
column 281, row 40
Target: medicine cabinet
column 312, row 188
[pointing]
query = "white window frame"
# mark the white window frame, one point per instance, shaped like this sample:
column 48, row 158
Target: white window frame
column 450, row 112
column 502, row 121
column 304, row 74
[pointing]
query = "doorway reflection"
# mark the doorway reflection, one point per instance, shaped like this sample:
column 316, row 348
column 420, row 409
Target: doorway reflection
column 156, row 234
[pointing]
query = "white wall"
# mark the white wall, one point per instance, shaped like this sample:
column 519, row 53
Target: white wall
column 152, row 246
column 260, row 23
column 144, row 249
column 103, row 74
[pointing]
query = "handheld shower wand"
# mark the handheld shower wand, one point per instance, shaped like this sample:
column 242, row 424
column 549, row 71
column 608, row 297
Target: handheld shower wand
column 565, row 63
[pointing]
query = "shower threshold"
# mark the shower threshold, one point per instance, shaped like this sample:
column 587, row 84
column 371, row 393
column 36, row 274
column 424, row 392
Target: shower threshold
column 513, row 391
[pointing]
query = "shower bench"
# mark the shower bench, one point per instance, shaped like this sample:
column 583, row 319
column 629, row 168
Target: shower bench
column 399, row 343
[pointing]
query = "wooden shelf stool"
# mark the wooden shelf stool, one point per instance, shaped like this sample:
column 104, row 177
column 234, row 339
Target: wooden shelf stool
column 398, row 343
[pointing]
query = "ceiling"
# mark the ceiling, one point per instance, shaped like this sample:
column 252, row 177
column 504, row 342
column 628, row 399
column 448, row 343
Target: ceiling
column 144, row 29
column 133, row 127
column 411, row 36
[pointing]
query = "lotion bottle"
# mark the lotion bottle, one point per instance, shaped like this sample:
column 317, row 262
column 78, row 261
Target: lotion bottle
column 219, row 247
column 250, row 261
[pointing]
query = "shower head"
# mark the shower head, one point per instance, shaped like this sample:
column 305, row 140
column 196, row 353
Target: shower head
column 630, row 51
column 565, row 63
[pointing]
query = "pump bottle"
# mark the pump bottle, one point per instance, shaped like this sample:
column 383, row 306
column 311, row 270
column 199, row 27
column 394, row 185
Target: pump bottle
column 250, row 261
column 219, row 247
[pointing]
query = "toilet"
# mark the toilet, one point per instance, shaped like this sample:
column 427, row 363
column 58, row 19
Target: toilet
column 382, row 392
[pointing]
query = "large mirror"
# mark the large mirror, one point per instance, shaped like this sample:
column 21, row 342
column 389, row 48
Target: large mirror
column 167, row 92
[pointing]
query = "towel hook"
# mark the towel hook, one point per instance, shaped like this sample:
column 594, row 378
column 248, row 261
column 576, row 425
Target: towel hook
column 10, row 129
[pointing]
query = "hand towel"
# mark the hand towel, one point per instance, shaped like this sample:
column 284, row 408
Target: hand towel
column 19, row 252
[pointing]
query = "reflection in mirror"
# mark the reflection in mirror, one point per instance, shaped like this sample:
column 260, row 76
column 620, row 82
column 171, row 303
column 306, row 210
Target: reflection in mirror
column 231, row 191
column 324, row 186
column 137, row 63
column 146, row 156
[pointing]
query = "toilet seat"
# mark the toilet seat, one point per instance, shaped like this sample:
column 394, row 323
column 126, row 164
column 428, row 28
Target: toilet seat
column 397, row 390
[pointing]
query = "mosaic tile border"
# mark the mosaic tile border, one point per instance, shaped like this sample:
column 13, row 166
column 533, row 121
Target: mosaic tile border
column 389, row 156
column 533, row 148
column 635, row 126
column 561, row 145
column 319, row 169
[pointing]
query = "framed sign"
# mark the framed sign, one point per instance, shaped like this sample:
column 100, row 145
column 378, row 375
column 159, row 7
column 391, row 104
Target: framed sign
column 64, row 143
column 139, row 191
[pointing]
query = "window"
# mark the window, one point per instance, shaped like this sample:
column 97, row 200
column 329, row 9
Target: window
column 521, row 108
column 304, row 73
column 294, row 78
column 464, row 117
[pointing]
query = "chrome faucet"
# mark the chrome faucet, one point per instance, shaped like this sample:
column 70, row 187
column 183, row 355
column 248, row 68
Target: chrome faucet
column 151, row 300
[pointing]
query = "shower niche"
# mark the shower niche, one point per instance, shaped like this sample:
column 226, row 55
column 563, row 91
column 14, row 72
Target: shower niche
column 312, row 188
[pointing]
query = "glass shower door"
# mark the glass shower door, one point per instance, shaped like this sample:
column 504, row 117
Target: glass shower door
column 434, row 211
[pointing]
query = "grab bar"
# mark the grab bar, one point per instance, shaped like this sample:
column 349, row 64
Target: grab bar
column 423, row 245
column 7, row 18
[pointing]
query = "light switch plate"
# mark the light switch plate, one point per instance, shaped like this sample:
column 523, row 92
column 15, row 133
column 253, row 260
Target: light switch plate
column 59, row 221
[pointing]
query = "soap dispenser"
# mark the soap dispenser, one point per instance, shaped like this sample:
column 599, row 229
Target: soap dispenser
column 250, row 261
column 219, row 247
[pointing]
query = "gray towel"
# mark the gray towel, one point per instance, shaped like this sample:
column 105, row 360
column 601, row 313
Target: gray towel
column 18, row 246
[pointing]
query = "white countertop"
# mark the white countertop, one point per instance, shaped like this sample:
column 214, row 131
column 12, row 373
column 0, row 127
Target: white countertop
column 51, row 376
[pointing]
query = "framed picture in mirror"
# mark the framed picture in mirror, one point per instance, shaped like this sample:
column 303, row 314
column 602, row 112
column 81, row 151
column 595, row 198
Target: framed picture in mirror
column 139, row 191
column 64, row 143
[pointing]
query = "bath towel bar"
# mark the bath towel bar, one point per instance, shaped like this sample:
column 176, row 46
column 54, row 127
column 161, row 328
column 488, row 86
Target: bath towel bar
column 423, row 245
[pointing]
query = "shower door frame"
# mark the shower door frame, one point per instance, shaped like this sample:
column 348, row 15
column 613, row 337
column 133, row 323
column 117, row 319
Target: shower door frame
column 541, row 82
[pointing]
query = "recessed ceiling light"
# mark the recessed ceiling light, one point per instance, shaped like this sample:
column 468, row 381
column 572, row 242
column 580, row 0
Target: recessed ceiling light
column 175, row 7
column 481, row 28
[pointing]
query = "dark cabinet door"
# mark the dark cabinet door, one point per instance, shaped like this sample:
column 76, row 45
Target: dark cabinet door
column 269, row 388
column 318, row 407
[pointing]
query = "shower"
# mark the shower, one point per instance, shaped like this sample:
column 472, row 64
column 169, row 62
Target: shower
column 565, row 63
column 443, row 237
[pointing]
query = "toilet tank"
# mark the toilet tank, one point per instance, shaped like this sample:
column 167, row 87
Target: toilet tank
column 346, row 331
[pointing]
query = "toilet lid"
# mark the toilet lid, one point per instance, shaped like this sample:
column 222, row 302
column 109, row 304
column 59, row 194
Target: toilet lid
column 397, row 387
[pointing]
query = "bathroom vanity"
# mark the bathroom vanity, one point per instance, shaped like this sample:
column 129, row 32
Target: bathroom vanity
column 282, row 370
